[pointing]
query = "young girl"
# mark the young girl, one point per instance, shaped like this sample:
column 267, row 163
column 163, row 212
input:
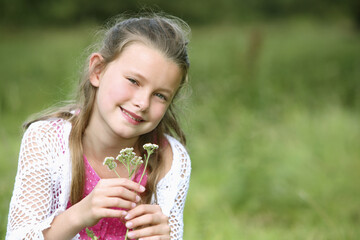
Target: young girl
column 125, row 100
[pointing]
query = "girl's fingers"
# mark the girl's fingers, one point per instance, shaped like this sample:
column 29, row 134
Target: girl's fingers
column 112, row 202
column 151, row 232
column 149, row 222
column 156, row 238
column 123, row 189
column 119, row 192
column 147, row 219
column 142, row 210
column 122, row 182
column 112, row 213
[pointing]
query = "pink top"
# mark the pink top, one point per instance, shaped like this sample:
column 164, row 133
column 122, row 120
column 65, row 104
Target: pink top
column 106, row 228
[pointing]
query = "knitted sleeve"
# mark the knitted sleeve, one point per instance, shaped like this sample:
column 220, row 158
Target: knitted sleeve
column 35, row 201
column 172, row 189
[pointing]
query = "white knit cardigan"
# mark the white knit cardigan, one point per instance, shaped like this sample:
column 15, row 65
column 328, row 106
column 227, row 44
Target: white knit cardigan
column 42, row 184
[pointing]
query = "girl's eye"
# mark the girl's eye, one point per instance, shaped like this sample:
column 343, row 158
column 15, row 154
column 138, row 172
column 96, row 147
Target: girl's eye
column 161, row 96
column 133, row 81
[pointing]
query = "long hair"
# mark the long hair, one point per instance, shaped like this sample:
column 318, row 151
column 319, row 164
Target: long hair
column 167, row 34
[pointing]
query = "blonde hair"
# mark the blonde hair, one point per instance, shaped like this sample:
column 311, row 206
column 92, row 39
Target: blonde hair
column 167, row 34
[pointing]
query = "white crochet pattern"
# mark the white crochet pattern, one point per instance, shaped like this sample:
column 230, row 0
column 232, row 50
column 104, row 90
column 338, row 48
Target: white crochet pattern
column 42, row 184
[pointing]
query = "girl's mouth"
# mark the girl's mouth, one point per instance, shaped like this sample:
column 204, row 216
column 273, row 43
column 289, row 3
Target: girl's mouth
column 132, row 116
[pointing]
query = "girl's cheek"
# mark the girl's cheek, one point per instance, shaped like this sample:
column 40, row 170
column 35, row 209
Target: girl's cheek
column 162, row 112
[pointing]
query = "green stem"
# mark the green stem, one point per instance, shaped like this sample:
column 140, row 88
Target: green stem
column 129, row 171
column 127, row 230
column 116, row 173
column 146, row 162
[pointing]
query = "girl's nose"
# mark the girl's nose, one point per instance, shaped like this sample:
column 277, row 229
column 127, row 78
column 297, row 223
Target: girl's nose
column 142, row 100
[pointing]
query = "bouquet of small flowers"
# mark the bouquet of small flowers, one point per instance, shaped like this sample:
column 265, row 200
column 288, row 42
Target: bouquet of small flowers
column 128, row 158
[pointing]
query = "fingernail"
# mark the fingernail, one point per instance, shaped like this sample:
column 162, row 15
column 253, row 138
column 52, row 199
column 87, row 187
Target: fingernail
column 138, row 198
column 133, row 205
column 142, row 188
column 127, row 217
column 124, row 213
column 129, row 225
column 130, row 235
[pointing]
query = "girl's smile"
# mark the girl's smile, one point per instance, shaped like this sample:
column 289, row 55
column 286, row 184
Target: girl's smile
column 132, row 117
column 133, row 91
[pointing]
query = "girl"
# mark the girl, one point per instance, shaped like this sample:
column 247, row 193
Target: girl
column 125, row 100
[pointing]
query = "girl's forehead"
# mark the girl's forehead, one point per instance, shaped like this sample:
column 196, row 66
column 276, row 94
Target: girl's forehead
column 138, row 47
column 140, row 53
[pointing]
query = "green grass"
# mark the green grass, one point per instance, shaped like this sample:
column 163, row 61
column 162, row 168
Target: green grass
column 290, row 179
column 273, row 124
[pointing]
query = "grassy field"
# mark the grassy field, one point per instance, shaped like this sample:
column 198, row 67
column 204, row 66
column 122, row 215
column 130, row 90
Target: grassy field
column 272, row 122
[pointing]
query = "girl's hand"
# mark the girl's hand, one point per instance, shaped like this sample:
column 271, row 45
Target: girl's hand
column 149, row 223
column 107, row 195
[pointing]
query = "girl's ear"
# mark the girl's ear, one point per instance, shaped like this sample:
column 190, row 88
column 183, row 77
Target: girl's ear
column 95, row 68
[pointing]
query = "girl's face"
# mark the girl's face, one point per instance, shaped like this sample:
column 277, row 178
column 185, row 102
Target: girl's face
column 134, row 91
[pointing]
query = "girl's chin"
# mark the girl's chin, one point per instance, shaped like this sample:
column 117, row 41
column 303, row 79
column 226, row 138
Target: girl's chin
column 129, row 131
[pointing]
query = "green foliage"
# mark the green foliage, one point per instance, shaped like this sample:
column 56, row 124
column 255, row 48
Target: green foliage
column 69, row 12
column 272, row 124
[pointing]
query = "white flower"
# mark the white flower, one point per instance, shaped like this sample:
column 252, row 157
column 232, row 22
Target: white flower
column 126, row 151
column 110, row 163
column 120, row 158
column 136, row 161
column 150, row 147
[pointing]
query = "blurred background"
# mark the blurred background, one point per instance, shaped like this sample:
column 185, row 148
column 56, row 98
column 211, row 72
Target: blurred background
column 273, row 118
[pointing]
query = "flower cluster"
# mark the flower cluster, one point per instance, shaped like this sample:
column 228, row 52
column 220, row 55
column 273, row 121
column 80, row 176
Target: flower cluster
column 110, row 163
column 128, row 158
column 150, row 147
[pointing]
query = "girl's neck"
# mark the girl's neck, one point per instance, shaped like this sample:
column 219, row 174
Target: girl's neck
column 98, row 146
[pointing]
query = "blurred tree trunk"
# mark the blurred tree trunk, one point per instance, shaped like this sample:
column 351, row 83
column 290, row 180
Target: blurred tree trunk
column 356, row 14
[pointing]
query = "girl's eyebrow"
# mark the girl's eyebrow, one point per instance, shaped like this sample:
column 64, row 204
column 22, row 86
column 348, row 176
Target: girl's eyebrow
column 138, row 75
column 166, row 90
